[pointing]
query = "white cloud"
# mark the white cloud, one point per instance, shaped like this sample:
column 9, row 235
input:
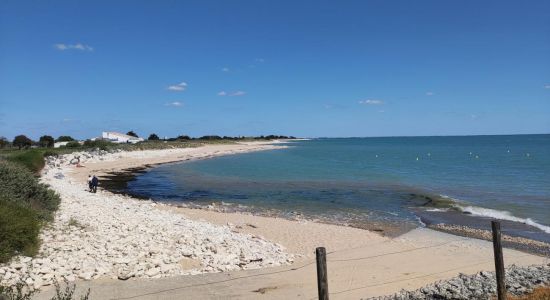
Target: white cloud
column 547, row 86
column 260, row 60
column 382, row 111
column 78, row 46
column 175, row 104
column 225, row 69
column 232, row 94
column 371, row 102
column 178, row 87
column 429, row 93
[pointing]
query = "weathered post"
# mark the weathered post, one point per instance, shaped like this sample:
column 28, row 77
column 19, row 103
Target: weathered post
column 322, row 282
column 499, row 261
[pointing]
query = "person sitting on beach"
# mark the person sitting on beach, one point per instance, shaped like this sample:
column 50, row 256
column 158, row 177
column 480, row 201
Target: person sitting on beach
column 95, row 183
column 90, row 183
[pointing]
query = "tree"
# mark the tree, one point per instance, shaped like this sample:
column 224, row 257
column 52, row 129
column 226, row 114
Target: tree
column 153, row 137
column 22, row 141
column 132, row 133
column 3, row 142
column 183, row 137
column 64, row 138
column 46, row 141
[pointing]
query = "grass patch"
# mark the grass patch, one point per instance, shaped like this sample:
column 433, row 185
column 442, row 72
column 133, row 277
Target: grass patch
column 74, row 223
column 19, row 186
column 19, row 228
column 25, row 204
column 20, row 291
column 32, row 159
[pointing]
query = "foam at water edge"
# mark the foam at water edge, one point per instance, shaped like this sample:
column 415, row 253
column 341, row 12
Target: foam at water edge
column 502, row 215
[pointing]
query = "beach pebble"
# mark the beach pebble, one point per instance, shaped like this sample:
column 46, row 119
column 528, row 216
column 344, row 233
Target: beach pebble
column 519, row 281
column 115, row 236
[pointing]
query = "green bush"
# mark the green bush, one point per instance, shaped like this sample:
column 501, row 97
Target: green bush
column 101, row 144
column 73, row 144
column 32, row 159
column 19, row 228
column 19, row 186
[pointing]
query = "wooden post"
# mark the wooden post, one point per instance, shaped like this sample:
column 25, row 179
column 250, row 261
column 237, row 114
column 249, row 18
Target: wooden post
column 499, row 261
column 322, row 282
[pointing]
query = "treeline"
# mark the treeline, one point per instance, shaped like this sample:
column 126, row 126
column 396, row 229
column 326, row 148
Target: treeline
column 23, row 142
column 47, row 141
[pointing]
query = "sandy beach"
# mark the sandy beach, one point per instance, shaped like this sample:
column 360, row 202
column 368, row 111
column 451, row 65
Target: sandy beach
column 238, row 255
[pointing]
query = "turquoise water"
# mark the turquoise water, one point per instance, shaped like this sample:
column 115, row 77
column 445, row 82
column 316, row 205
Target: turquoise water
column 360, row 179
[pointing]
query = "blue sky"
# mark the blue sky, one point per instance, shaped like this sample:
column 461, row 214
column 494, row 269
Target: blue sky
column 304, row 68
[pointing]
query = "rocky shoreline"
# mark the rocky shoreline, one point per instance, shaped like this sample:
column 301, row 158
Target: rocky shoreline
column 519, row 243
column 481, row 286
column 104, row 235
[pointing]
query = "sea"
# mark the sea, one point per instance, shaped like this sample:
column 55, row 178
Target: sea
column 405, row 181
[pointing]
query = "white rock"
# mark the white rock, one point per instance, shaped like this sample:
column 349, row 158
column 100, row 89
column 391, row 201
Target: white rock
column 152, row 272
column 133, row 234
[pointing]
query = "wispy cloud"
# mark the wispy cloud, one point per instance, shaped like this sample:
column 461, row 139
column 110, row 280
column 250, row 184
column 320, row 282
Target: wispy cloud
column 371, row 102
column 178, row 87
column 232, row 94
column 547, row 86
column 174, row 104
column 225, row 69
column 429, row 93
column 78, row 46
column 260, row 60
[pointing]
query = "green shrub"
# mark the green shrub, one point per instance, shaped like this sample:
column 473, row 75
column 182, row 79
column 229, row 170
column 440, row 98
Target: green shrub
column 21, row 187
column 19, row 228
column 32, row 159
column 101, row 144
column 73, row 144
column 68, row 293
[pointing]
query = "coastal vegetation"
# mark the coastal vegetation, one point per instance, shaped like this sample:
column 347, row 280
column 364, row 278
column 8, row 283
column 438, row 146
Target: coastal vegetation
column 25, row 205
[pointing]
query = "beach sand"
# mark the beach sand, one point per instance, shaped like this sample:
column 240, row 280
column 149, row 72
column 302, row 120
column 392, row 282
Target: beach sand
column 360, row 263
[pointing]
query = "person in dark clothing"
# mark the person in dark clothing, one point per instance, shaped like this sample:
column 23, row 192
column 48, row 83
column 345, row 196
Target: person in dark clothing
column 95, row 183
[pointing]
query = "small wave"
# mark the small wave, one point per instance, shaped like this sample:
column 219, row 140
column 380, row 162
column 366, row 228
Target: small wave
column 502, row 215
column 438, row 209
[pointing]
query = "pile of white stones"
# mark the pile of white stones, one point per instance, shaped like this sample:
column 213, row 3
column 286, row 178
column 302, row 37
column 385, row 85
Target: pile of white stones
column 108, row 235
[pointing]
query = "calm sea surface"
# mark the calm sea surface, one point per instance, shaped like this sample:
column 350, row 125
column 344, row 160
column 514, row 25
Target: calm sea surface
column 354, row 180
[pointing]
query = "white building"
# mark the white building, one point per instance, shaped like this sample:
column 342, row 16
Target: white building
column 60, row 144
column 117, row 137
